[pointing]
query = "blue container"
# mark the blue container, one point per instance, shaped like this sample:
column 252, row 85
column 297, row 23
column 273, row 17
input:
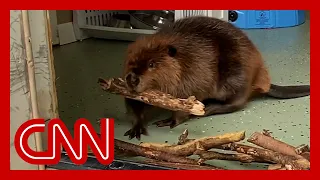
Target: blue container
column 254, row 19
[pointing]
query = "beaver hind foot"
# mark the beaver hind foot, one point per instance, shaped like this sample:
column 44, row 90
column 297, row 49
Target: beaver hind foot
column 136, row 132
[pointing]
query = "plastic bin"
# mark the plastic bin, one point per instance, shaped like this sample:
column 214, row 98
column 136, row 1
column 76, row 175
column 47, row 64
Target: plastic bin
column 93, row 23
column 255, row 19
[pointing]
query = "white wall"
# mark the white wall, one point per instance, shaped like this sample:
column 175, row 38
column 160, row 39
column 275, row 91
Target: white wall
column 19, row 97
column 20, row 108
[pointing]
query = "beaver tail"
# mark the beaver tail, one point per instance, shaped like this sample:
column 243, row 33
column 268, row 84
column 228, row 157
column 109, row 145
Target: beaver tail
column 288, row 92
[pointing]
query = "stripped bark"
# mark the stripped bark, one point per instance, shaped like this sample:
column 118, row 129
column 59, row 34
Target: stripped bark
column 154, row 98
column 190, row 147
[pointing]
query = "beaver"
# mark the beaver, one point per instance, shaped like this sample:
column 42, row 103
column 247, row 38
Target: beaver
column 204, row 57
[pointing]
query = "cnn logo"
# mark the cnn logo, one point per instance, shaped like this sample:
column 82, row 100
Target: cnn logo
column 76, row 147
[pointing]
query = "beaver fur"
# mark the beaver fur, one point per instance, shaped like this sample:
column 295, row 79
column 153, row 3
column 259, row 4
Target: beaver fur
column 203, row 57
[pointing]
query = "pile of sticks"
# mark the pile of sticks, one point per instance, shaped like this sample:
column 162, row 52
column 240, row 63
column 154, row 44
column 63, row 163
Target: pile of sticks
column 266, row 150
column 279, row 155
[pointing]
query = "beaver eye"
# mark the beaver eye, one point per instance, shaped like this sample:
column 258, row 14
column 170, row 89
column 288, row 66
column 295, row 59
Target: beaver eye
column 151, row 65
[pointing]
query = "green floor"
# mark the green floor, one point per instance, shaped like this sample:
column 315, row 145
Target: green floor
column 286, row 52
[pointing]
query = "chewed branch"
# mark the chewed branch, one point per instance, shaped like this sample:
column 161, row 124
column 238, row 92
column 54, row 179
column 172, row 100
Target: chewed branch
column 155, row 98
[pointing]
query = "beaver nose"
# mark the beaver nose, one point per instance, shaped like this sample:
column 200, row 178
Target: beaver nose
column 132, row 79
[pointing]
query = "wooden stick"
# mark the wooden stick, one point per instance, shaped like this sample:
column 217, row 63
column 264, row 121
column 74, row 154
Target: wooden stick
column 210, row 155
column 306, row 155
column 152, row 153
column 233, row 146
column 279, row 167
column 155, row 98
column 270, row 156
column 267, row 155
column 302, row 149
column 275, row 166
column 181, row 166
column 268, row 142
column 273, row 144
column 266, row 132
column 289, row 161
column 190, row 147
column 183, row 138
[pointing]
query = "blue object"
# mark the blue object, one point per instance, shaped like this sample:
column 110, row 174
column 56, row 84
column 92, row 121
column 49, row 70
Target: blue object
column 254, row 19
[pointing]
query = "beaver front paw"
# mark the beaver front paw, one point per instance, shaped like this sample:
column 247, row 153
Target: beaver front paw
column 136, row 131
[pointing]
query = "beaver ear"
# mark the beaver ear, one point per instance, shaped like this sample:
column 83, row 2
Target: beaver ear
column 172, row 51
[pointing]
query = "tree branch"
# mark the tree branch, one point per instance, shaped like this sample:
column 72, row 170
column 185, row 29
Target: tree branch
column 155, row 98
